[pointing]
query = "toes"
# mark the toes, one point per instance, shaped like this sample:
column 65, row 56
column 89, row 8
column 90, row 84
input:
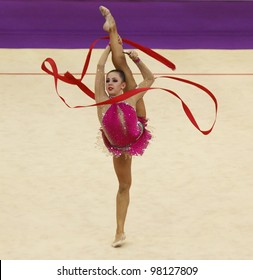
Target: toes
column 104, row 11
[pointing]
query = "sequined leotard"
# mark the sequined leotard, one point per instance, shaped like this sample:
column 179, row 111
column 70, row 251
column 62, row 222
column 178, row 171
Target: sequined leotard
column 123, row 131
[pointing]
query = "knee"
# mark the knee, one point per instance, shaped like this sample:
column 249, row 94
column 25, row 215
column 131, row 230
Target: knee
column 124, row 187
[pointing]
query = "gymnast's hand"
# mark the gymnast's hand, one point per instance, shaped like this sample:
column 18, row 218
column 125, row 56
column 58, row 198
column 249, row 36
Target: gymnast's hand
column 132, row 54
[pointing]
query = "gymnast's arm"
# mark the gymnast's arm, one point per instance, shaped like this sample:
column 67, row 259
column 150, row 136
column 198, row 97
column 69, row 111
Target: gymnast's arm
column 148, row 77
column 100, row 93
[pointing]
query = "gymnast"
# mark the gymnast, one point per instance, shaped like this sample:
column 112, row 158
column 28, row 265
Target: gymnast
column 123, row 124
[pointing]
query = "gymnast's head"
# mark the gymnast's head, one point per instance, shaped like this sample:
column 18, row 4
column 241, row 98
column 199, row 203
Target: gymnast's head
column 115, row 82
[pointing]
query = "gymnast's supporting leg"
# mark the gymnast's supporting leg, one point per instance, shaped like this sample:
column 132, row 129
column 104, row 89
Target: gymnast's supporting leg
column 118, row 57
column 122, row 167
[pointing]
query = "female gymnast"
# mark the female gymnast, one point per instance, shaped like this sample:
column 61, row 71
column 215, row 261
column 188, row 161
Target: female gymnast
column 123, row 124
column 123, row 131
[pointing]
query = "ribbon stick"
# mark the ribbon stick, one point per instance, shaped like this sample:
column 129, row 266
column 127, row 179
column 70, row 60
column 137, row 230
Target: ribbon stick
column 70, row 79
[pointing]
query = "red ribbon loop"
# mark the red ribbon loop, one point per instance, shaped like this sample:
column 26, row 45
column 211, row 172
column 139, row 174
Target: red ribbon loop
column 70, row 79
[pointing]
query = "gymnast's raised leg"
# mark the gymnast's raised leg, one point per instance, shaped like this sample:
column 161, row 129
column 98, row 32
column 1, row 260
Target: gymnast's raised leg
column 118, row 57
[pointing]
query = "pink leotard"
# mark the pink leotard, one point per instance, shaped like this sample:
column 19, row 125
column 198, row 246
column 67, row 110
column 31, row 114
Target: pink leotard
column 123, row 131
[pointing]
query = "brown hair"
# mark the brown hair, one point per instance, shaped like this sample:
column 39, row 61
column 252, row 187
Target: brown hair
column 121, row 74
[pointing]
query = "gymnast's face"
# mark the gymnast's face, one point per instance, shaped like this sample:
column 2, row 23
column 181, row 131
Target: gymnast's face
column 114, row 84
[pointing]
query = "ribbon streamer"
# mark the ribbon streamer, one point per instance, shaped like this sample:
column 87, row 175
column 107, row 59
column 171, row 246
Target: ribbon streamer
column 70, row 79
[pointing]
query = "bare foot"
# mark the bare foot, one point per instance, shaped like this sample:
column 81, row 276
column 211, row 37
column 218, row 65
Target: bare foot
column 109, row 20
column 119, row 240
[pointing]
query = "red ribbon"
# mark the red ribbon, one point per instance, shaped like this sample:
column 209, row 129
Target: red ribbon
column 70, row 79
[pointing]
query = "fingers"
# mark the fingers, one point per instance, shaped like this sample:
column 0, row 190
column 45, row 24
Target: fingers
column 133, row 55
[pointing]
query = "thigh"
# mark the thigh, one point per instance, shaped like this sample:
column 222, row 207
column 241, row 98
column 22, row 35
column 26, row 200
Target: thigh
column 130, row 81
column 120, row 63
column 122, row 167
